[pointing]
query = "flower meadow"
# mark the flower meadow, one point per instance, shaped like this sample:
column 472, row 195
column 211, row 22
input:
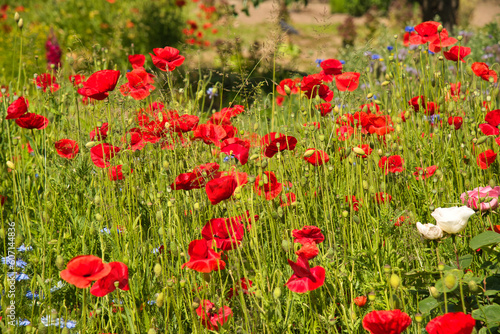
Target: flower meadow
column 353, row 199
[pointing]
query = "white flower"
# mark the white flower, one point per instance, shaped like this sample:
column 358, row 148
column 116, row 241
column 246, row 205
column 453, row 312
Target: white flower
column 452, row 220
column 430, row 231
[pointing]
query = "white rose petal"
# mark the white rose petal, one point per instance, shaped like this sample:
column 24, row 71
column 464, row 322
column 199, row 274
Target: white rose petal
column 429, row 231
column 452, row 220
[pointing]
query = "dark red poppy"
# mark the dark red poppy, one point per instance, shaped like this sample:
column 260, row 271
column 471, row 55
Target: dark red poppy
column 184, row 123
column 2, row 200
column 32, row 121
column 312, row 86
column 382, row 197
column 386, row 322
column 202, row 258
column 331, row 67
column 451, row 323
column 77, row 79
column 307, row 235
column 360, row 301
column 102, row 153
column 270, row 189
column 139, row 84
column 167, row 59
column 17, row 108
column 324, row 108
column 317, row 158
column 67, row 148
column 457, row 53
column 99, row 84
column 417, row 102
column 353, row 202
column 482, row 70
column 84, row 269
column 210, row 318
column 304, row 278
column 393, row 164
column 291, row 199
column 137, row 61
column 221, row 188
column 46, row 81
column 105, row 285
column 455, row 121
column 99, row 132
column 426, row 32
column 491, row 127
column 198, row 178
column 209, row 133
column 237, row 147
column 485, row 159
column 227, row 233
column 274, row 142
column 425, row 173
column 347, row 81
column 431, row 108
column 245, row 284
column 308, row 251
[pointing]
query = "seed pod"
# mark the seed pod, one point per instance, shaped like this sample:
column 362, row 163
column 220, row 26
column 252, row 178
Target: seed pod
column 482, row 140
column 395, row 281
column 286, row 245
column 160, row 299
column 157, row 270
column 99, row 217
column 434, row 292
column 277, row 293
column 309, row 153
column 449, row 281
column 59, row 262
column 358, row 150
column 473, row 287
column 91, row 144
column 11, row 165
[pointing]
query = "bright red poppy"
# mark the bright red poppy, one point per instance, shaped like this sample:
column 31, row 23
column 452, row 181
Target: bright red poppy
column 426, row 32
column 99, row 84
column 167, row 59
column 227, row 233
column 115, row 173
column 202, row 258
column 386, row 322
column 137, row 61
column 274, row 142
column 331, row 68
column 360, row 301
column 347, row 81
column 105, row 285
column 210, row 318
column 77, row 79
column 237, row 147
column 425, row 173
column 221, row 188
column 270, row 189
column 417, row 102
column 490, row 128
column 102, row 153
column 344, row 132
column 46, row 81
column 393, row 164
column 407, row 36
column 209, row 133
column 431, row 108
column 353, row 202
column 455, row 121
column 196, row 179
column 451, row 323
column 184, row 123
column 17, row 108
column 317, row 158
column 382, row 197
column 307, row 235
column 32, row 121
column 285, row 88
column 457, row 53
column 99, row 132
column 482, row 70
column 304, row 278
column 84, row 269
column 309, row 251
column 245, row 284
column 312, row 86
column 324, row 108
column 485, row 159
column 139, row 84
column 291, row 199
column 67, row 148
column 441, row 41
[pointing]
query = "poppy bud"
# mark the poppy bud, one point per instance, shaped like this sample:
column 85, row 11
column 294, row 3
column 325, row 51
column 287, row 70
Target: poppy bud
column 449, row 281
column 17, row 16
column 492, row 183
column 91, row 144
column 99, row 217
column 170, row 283
column 97, row 199
column 159, row 215
column 345, row 214
column 419, row 318
column 285, row 244
column 369, row 96
column 20, row 24
column 387, row 269
column 395, row 36
column 277, row 293
column 173, row 247
column 482, row 140
column 473, row 287
column 434, row 292
column 125, row 260
column 371, row 296
column 395, row 281
column 195, row 305
column 309, row 153
column 255, row 126
column 440, row 266
column 197, row 206
column 151, row 331
column 59, row 262
column 42, row 329
column 377, row 102
column 359, row 151
column 287, row 90
column 160, row 299
column 460, row 37
column 356, row 219
column 385, row 83
column 321, row 138
column 11, row 165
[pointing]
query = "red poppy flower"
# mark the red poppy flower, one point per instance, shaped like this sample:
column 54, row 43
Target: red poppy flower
column 304, row 278
column 382, row 197
column 77, row 79
column 231, row 131
column 209, row 318
column 270, row 189
column 324, row 108
column 237, row 147
column 308, row 234
column 32, row 121
column 115, row 173
column 245, row 284
column 347, row 81
column 417, row 102
column 485, row 159
column 441, row 41
column 426, row 32
column 184, row 123
column 386, row 322
column 105, row 285
column 139, row 84
column 493, row 120
column 198, row 178
column 482, row 70
column 407, row 36
column 393, row 164
column 425, row 173
column 226, row 232
column 345, row 120
column 344, row 132
column 308, row 251
column 167, row 59
column 274, row 142
column 457, row 53
column 202, row 258
column 84, row 269
column 370, row 107
column 455, row 121
column 136, row 140
column 209, row 133
column 451, row 323
column 17, row 108
column 102, row 153
column 137, row 61
column 317, row 158
column 291, row 199
column 331, row 68
column 99, row 133
column 312, row 86
column 360, row 301
column 99, row 84
column 286, row 88
column 378, row 124
column 353, row 202
column 221, row 188
column 67, row 148
column 431, row 108
column 46, row 81
column 367, row 149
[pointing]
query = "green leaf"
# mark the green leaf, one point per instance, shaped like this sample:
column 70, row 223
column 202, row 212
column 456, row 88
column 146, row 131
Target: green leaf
column 484, row 239
column 465, row 261
column 490, row 314
column 428, row 304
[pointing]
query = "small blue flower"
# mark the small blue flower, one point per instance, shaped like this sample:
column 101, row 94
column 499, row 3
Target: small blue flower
column 23, row 322
column 430, row 52
column 105, row 230
column 212, row 92
column 151, row 302
column 376, row 56
column 342, row 62
column 23, row 248
column 318, row 62
column 409, row 29
column 58, row 322
column 390, row 48
column 59, row 285
column 30, row 295
column 36, row 175
column 19, row 277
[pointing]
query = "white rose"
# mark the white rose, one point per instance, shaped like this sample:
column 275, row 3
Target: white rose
column 429, row 231
column 452, row 220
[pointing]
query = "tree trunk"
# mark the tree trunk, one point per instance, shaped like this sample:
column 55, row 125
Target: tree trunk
column 446, row 9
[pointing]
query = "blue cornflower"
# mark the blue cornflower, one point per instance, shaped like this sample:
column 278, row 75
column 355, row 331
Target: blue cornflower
column 30, row 295
column 23, row 248
column 19, row 263
column 19, row 277
column 342, row 62
column 212, row 92
column 430, row 52
column 151, row 302
column 390, row 48
column 409, row 29
column 23, row 322
column 59, row 285
column 318, row 62
column 58, row 322
column 105, row 230
column 376, row 56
